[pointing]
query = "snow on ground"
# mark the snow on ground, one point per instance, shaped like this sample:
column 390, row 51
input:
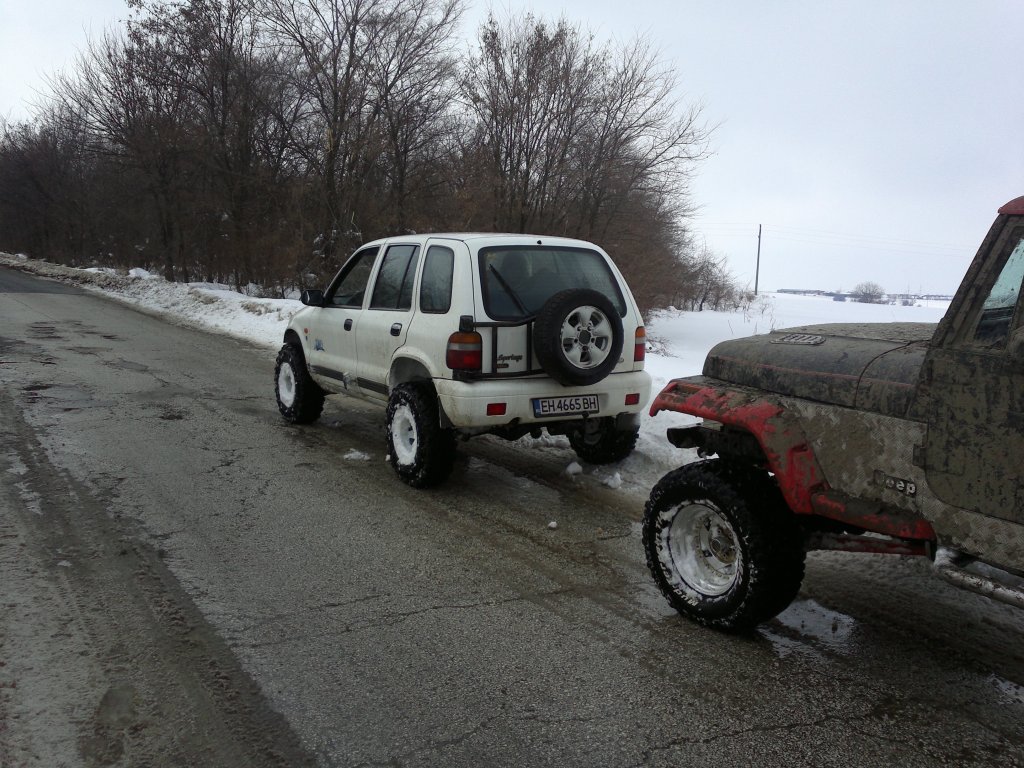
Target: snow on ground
column 678, row 342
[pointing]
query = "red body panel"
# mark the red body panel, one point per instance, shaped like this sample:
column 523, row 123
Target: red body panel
column 789, row 455
column 779, row 434
column 1014, row 207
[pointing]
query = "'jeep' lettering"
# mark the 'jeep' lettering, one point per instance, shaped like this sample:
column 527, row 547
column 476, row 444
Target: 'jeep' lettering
column 890, row 483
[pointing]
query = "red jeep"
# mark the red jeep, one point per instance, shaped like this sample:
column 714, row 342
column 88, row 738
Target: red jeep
column 902, row 438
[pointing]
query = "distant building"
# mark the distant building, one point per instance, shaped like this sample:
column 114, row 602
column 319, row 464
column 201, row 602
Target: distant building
column 892, row 298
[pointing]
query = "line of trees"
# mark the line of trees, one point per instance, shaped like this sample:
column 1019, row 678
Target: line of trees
column 260, row 141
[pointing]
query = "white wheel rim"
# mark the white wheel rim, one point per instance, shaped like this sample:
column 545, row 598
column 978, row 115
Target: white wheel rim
column 586, row 337
column 286, row 385
column 404, row 436
column 699, row 549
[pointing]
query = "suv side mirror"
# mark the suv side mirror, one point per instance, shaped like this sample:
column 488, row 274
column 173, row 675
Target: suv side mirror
column 312, row 297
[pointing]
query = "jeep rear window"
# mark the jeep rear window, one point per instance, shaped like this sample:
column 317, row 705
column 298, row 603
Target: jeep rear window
column 518, row 280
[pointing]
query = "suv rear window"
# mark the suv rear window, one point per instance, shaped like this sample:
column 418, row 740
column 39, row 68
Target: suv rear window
column 518, row 280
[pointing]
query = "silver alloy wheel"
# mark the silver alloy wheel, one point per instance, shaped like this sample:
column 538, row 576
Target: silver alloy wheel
column 286, row 386
column 701, row 549
column 587, row 337
column 404, row 435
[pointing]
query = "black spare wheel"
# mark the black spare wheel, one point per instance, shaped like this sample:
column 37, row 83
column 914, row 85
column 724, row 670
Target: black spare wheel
column 578, row 337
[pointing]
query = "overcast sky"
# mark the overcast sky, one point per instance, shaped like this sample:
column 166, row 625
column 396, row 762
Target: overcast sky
column 872, row 140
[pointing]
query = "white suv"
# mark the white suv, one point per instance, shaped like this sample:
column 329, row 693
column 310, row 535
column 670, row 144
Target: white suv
column 469, row 334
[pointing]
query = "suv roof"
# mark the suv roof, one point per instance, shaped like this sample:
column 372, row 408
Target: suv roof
column 498, row 237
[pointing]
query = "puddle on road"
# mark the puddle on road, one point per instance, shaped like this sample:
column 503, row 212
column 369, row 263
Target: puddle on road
column 57, row 397
column 810, row 628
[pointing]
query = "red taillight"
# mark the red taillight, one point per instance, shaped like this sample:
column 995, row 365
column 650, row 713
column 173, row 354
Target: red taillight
column 640, row 345
column 496, row 409
column 465, row 352
column 633, row 398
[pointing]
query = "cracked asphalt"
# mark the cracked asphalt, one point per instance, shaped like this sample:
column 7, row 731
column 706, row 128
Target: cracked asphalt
column 188, row 580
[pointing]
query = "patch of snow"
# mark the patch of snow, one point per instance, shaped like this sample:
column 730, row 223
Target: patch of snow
column 143, row 274
column 553, row 525
column 573, row 469
column 210, row 286
column 614, row 482
column 354, row 455
column 64, row 564
column 1008, row 688
column 100, row 270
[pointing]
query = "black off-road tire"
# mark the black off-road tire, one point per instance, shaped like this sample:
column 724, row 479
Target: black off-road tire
column 768, row 544
column 599, row 442
column 420, row 450
column 557, row 349
column 299, row 398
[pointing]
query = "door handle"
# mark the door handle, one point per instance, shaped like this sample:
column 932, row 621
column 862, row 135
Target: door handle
column 396, row 329
column 348, row 324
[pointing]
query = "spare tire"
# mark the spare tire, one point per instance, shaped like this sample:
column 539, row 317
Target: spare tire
column 577, row 337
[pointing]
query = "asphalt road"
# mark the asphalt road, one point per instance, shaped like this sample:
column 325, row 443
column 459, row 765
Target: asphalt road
column 247, row 592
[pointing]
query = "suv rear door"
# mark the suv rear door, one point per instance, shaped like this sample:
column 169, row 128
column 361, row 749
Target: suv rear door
column 385, row 321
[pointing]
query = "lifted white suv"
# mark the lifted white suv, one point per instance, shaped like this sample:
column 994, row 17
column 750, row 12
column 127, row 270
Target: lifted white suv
column 468, row 334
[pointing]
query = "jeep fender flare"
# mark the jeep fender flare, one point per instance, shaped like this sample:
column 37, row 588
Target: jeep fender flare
column 777, row 431
column 787, row 452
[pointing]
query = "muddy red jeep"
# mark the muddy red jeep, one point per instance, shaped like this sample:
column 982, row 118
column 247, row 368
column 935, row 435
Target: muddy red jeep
column 898, row 438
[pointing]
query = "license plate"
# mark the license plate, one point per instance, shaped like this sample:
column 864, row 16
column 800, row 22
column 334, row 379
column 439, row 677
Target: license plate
column 565, row 406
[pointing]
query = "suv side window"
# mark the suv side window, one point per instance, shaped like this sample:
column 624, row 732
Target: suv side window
column 436, row 286
column 993, row 326
column 349, row 287
column 393, row 289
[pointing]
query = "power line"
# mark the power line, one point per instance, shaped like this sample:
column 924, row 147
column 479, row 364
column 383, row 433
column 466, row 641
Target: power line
column 833, row 239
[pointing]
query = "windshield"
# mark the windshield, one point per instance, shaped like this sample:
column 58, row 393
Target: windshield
column 518, row 280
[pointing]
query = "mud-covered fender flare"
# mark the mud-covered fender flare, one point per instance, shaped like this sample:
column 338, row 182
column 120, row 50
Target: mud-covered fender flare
column 776, row 430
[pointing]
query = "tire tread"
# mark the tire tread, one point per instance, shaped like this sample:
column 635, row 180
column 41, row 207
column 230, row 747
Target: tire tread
column 769, row 534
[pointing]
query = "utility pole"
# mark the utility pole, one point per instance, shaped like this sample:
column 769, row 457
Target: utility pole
column 757, row 271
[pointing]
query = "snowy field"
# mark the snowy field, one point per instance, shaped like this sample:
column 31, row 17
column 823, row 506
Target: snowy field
column 678, row 343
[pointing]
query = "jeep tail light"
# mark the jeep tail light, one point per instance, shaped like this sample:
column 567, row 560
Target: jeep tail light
column 640, row 345
column 633, row 398
column 496, row 409
column 465, row 351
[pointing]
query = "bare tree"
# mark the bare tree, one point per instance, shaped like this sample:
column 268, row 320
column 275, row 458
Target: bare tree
column 259, row 140
column 44, row 204
column 580, row 139
column 413, row 75
column 530, row 90
column 134, row 108
column 238, row 120
column 868, row 293
column 358, row 59
column 644, row 138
